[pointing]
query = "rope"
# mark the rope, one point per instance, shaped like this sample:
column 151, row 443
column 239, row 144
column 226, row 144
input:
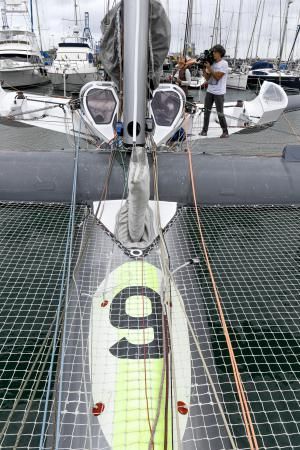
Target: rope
column 291, row 127
column 69, row 265
column 11, row 116
column 66, row 269
column 239, row 384
column 164, row 262
column 171, row 277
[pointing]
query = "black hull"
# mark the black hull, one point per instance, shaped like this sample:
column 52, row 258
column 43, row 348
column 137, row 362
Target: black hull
column 287, row 82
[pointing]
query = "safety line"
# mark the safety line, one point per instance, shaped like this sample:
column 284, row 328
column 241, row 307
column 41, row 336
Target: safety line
column 238, row 381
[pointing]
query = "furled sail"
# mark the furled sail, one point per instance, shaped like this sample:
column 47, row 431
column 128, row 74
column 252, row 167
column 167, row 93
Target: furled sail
column 159, row 41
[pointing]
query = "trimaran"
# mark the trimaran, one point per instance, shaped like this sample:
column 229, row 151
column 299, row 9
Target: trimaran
column 136, row 367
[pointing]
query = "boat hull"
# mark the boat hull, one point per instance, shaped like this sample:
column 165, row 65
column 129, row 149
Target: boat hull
column 287, row 82
column 237, row 81
column 74, row 81
column 17, row 78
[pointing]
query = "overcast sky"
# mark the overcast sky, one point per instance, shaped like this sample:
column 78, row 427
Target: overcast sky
column 54, row 23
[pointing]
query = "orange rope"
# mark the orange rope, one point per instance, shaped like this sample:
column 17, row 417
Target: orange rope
column 145, row 359
column 238, row 381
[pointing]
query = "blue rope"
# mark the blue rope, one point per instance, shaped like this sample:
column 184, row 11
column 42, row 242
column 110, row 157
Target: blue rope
column 67, row 259
column 59, row 402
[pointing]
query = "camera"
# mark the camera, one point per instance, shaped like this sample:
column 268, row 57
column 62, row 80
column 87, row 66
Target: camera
column 206, row 56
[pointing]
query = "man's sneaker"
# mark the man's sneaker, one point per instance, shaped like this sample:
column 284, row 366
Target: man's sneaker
column 203, row 133
column 224, row 135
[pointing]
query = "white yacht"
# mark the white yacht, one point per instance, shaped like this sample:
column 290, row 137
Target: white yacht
column 237, row 79
column 74, row 63
column 21, row 63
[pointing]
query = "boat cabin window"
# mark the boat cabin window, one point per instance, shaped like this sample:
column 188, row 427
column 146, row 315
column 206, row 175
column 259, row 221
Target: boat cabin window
column 101, row 105
column 273, row 94
column 165, row 106
column 72, row 57
column 14, row 57
column 15, row 41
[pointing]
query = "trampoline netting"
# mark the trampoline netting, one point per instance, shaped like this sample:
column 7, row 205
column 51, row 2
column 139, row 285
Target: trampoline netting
column 254, row 253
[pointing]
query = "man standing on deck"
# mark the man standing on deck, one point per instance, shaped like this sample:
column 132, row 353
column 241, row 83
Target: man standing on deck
column 216, row 76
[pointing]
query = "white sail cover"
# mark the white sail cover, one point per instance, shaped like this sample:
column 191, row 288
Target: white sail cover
column 159, row 41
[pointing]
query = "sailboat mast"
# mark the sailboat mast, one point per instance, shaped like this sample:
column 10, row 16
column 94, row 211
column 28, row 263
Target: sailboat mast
column 253, row 31
column 136, row 31
column 188, row 27
column 238, row 33
column 270, row 37
column 31, row 16
column 220, row 23
column 213, row 39
column 294, row 43
column 229, row 29
column 288, row 3
column 76, row 12
column 39, row 24
column 260, row 27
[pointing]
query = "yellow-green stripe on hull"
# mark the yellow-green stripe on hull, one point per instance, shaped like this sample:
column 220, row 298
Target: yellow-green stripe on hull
column 127, row 359
column 131, row 424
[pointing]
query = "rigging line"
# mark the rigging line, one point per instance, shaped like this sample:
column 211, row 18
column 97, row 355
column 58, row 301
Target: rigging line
column 11, row 116
column 163, row 376
column 206, row 369
column 73, row 209
column 165, row 262
column 145, row 356
column 291, row 127
column 59, row 309
column 84, row 357
column 239, row 384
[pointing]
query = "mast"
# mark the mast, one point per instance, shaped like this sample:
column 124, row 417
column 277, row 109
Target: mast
column 229, row 29
column 188, row 27
column 270, row 37
column 294, row 43
column 260, row 27
column 253, row 31
column 238, row 33
column 220, row 23
column 288, row 3
column 213, row 40
column 76, row 13
column 31, row 16
column 136, row 35
column 136, row 13
column 39, row 24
